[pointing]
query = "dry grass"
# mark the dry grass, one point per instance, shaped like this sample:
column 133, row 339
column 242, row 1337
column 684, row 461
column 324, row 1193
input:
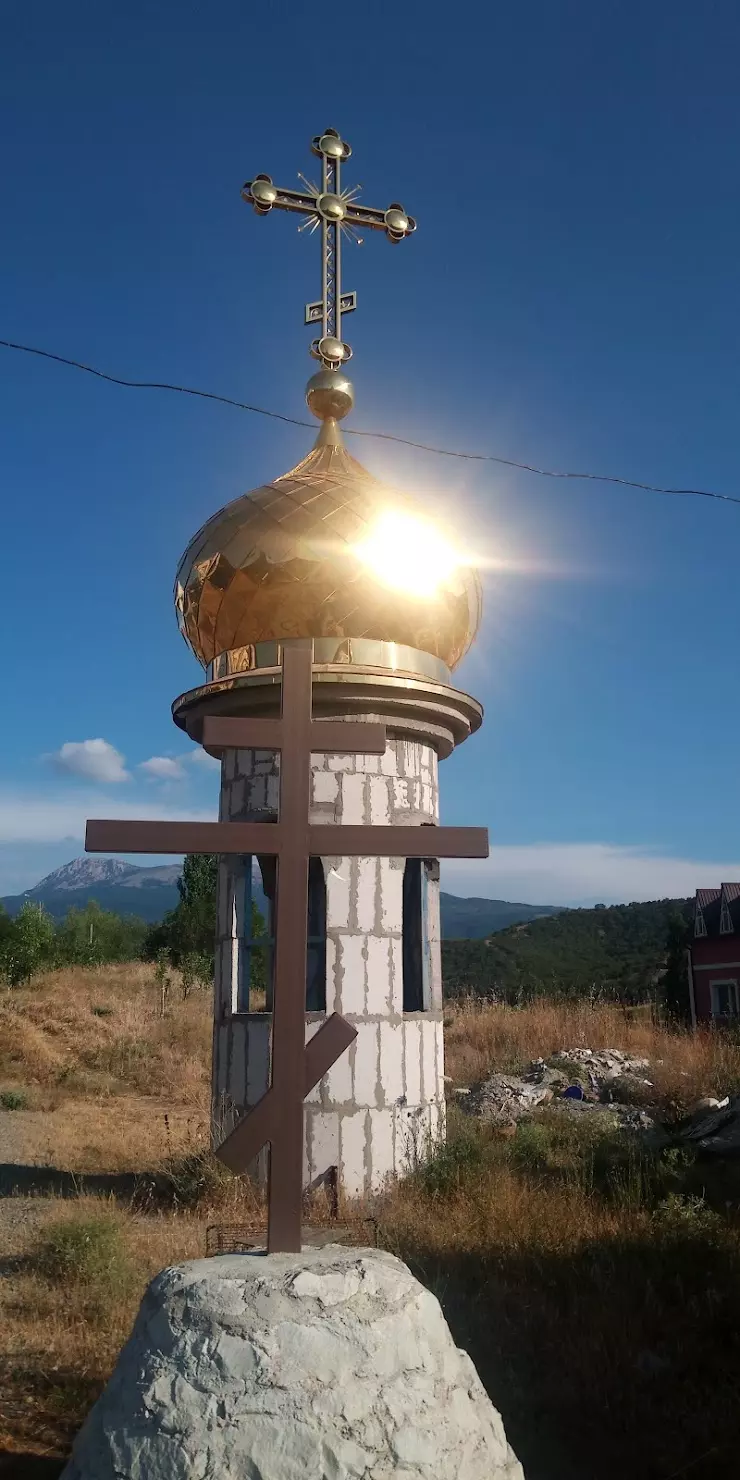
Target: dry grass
column 61, row 1337
column 116, row 1134
column 598, row 1296
column 597, row 1288
column 480, row 1037
column 99, row 1032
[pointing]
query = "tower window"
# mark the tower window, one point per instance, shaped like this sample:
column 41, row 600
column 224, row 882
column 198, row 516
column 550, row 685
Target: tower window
column 316, row 955
column 255, row 936
column 253, row 940
column 416, row 960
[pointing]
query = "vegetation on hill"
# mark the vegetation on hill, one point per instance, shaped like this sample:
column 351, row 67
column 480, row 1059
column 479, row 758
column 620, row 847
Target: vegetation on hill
column 629, row 953
column 615, row 953
column 473, row 919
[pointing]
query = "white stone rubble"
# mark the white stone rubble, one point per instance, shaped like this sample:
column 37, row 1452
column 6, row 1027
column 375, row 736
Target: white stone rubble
column 335, row 1364
column 507, row 1098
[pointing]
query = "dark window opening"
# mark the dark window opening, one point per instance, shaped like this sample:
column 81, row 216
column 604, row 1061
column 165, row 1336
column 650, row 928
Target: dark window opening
column 316, row 954
column 256, row 935
column 415, row 942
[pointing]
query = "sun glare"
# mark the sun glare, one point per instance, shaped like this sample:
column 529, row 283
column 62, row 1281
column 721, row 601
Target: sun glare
column 407, row 554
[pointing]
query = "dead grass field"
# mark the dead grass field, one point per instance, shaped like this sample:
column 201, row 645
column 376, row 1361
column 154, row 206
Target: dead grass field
column 685, row 1065
column 596, row 1287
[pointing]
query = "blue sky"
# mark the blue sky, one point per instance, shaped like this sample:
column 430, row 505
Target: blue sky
column 571, row 298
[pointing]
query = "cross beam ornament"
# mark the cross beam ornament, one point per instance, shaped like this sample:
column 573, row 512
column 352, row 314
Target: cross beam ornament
column 337, row 213
column 296, row 1066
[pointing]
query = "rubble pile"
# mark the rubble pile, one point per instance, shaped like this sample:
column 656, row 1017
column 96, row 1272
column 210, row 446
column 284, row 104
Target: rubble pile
column 582, row 1080
column 604, row 1082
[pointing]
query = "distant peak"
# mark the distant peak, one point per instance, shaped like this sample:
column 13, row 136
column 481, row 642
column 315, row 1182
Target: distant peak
column 84, row 871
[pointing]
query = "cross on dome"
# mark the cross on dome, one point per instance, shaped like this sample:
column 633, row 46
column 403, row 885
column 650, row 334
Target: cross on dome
column 338, row 214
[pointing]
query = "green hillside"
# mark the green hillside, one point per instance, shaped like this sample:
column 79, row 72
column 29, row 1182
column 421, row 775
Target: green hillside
column 617, row 951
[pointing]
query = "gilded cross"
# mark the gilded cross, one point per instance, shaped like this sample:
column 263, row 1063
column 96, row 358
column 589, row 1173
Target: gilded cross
column 337, row 213
column 296, row 1066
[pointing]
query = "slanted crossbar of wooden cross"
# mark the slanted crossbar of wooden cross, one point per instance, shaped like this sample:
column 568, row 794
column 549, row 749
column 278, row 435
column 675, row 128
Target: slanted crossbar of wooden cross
column 296, row 1065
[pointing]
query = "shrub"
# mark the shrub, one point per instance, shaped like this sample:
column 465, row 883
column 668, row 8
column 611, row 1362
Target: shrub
column 455, row 1161
column 198, row 1179
column 86, row 1250
column 531, row 1148
column 196, row 969
column 29, row 944
column 14, row 1099
column 680, row 1217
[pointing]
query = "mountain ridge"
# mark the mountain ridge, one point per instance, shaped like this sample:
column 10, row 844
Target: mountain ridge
column 149, row 892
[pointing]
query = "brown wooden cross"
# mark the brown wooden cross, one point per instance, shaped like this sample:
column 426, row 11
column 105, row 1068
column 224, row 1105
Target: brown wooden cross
column 296, row 1065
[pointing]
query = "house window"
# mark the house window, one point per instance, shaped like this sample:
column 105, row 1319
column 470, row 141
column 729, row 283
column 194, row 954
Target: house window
column 724, row 999
column 417, row 974
column 725, row 922
column 699, row 925
column 256, row 948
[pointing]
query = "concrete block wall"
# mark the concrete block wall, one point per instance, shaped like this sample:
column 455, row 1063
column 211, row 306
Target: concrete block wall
column 377, row 1108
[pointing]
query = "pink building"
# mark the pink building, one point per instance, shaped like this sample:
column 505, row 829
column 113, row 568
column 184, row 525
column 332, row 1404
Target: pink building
column 714, row 956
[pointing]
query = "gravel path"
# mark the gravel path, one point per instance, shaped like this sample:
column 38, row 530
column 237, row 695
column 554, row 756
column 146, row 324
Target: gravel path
column 18, row 1215
column 15, row 1137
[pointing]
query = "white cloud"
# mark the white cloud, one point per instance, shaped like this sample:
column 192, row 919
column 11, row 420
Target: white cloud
column 163, row 768
column 582, row 874
column 35, row 818
column 537, row 873
column 96, row 760
column 201, row 757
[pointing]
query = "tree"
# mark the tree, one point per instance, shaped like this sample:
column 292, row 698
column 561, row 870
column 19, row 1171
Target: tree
column 29, row 945
column 190, row 929
column 6, row 930
column 188, row 933
column 259, row 957
column 675, row 980
column 92, row 936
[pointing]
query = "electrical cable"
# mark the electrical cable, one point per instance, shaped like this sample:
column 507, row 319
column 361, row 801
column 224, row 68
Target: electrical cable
column 507, row 462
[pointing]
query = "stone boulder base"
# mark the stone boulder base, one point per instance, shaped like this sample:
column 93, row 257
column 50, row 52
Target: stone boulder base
column 335, row 1364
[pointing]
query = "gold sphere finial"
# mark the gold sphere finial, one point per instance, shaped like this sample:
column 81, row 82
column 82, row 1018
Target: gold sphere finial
column 330, row 395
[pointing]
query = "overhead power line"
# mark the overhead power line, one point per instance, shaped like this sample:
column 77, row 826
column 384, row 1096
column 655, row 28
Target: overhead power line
column 507, row 462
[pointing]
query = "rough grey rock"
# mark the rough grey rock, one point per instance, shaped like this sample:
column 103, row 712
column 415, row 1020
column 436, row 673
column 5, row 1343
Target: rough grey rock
column 714, row 1132
column 335, row 1364
column 505, row 1098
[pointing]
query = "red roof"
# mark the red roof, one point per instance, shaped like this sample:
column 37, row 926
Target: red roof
column 706, row 896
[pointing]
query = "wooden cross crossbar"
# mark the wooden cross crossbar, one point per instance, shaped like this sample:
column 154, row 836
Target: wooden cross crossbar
column 293, row 839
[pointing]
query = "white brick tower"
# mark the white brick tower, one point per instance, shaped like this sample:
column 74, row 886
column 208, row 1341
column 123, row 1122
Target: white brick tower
column 384, row 1099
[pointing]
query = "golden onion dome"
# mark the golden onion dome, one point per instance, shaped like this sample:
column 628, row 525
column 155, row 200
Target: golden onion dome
column 325, row 551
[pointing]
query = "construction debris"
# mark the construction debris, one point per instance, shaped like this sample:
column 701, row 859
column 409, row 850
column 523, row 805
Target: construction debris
column 582, row 1079
column 711, row 1132
column 604, row 1082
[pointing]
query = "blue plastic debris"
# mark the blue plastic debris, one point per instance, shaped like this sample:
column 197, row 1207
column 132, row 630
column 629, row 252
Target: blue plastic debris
column 573, row 1092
